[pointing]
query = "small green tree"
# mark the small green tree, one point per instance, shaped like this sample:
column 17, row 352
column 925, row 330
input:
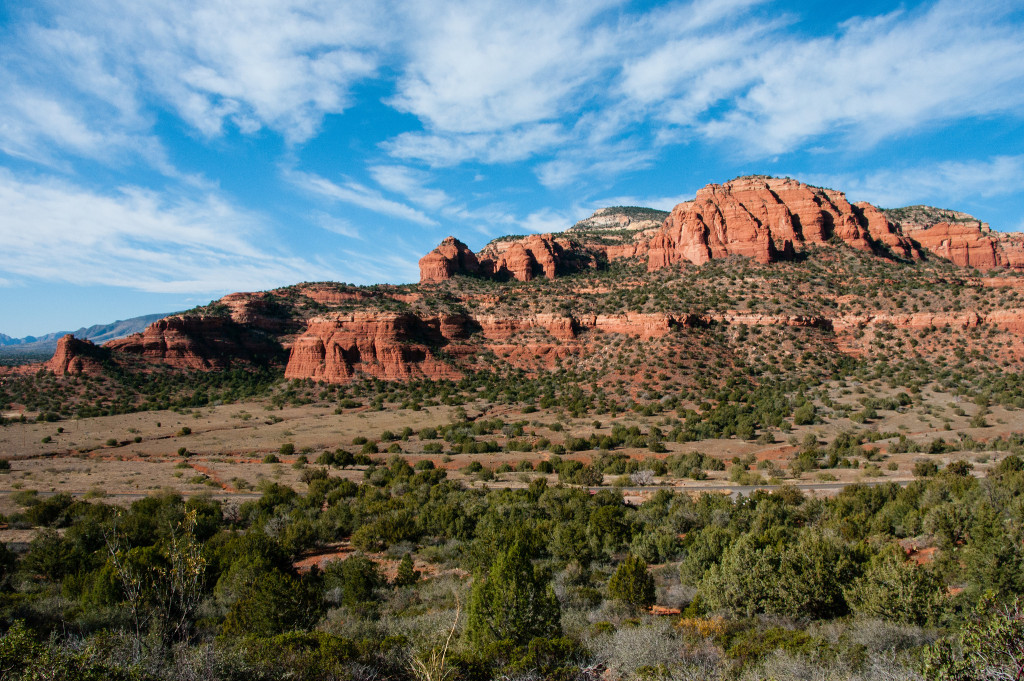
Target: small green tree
column 632, row 583
column 513, row 603
column 407, row 575
column 895, row 589
column 353, row 580
column 277, row 602
column 804, row 414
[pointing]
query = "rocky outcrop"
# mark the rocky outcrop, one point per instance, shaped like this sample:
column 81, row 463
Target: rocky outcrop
column 451, row 257
column 764, row 218
column 76, row 356
column 758, row 217
column 619, row 218
column 255, row 311
column 200, row 342
column 521, row 259
column 1011, row 320
column 971, row 244
column 391, row 346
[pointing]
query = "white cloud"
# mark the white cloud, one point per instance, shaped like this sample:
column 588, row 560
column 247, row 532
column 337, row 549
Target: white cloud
column 334, row 224
column 878, row 77
column 43, row 126
column 449, row 149
column 357, row 195
column 398, row 264
column 282, row 65
column 411, row 183
column 587, row 91
column 137, row 239
column 488, row 66
column 547, row 220
column 605, row 160
column 941, row 184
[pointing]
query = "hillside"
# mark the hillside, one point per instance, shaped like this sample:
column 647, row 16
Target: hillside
column 820, row 278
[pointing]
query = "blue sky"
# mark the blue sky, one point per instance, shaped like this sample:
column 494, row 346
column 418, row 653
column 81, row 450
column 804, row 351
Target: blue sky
column 156, row 155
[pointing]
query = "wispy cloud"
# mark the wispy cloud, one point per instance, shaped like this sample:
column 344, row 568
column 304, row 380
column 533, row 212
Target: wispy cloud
column 279, row 65
column 449, row 149
column 411, row 183
column 357, row 195
column 877, row 77
column 941, row 184
column 399, row 264
column 137, row 239
column 486, row 66
column 334, row 224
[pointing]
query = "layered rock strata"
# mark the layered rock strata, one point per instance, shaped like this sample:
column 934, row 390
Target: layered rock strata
column 76, row 356
column 758, row 217
column 200, row 342
column 972, row 244
column 521, row 259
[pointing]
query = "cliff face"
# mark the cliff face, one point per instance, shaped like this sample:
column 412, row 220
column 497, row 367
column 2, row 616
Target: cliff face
column 75, row 356
column 391, row 346
column 758, row 217
column 451, row 257
column 763, row 218
column 338, row 333
column 971, row 244
column 519, row 259
column 200, row 342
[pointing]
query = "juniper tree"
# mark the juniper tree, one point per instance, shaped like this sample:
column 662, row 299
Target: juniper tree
column 512, row 603
column 632, row 583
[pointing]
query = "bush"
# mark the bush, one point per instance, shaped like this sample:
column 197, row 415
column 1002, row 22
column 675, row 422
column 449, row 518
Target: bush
column 805, row 414
column 353, row 580
column 896, row 589
column 512, row 603
column 632, row 583
column 406, row 575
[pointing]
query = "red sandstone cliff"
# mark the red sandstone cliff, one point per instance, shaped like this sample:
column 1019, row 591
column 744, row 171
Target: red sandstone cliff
column 761, row 217
column 971, row 244
column 451, row 257
column 360, row 334
column 199, row 342
column 521, row 259
column 392, row 346
column 758, row 217
column 76, row 356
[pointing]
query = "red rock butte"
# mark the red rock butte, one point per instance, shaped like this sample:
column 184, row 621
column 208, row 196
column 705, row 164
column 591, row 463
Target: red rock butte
column 759, row 217
column 339, row 333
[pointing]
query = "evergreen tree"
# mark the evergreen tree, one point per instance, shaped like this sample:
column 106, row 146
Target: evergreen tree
column 513, row 603
column 896, row 589
column 632, row 583
column 406, row 574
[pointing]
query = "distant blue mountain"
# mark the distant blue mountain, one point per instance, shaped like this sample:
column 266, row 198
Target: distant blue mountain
column 35, row 346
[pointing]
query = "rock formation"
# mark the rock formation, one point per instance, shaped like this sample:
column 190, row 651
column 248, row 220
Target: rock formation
column 759, row 217
column 972, row 244
column 391, row 346
column 762, row 217
column 75, row 356
column 451, row 257
column 339, row 333
column 521, row 259
column 200, row 342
